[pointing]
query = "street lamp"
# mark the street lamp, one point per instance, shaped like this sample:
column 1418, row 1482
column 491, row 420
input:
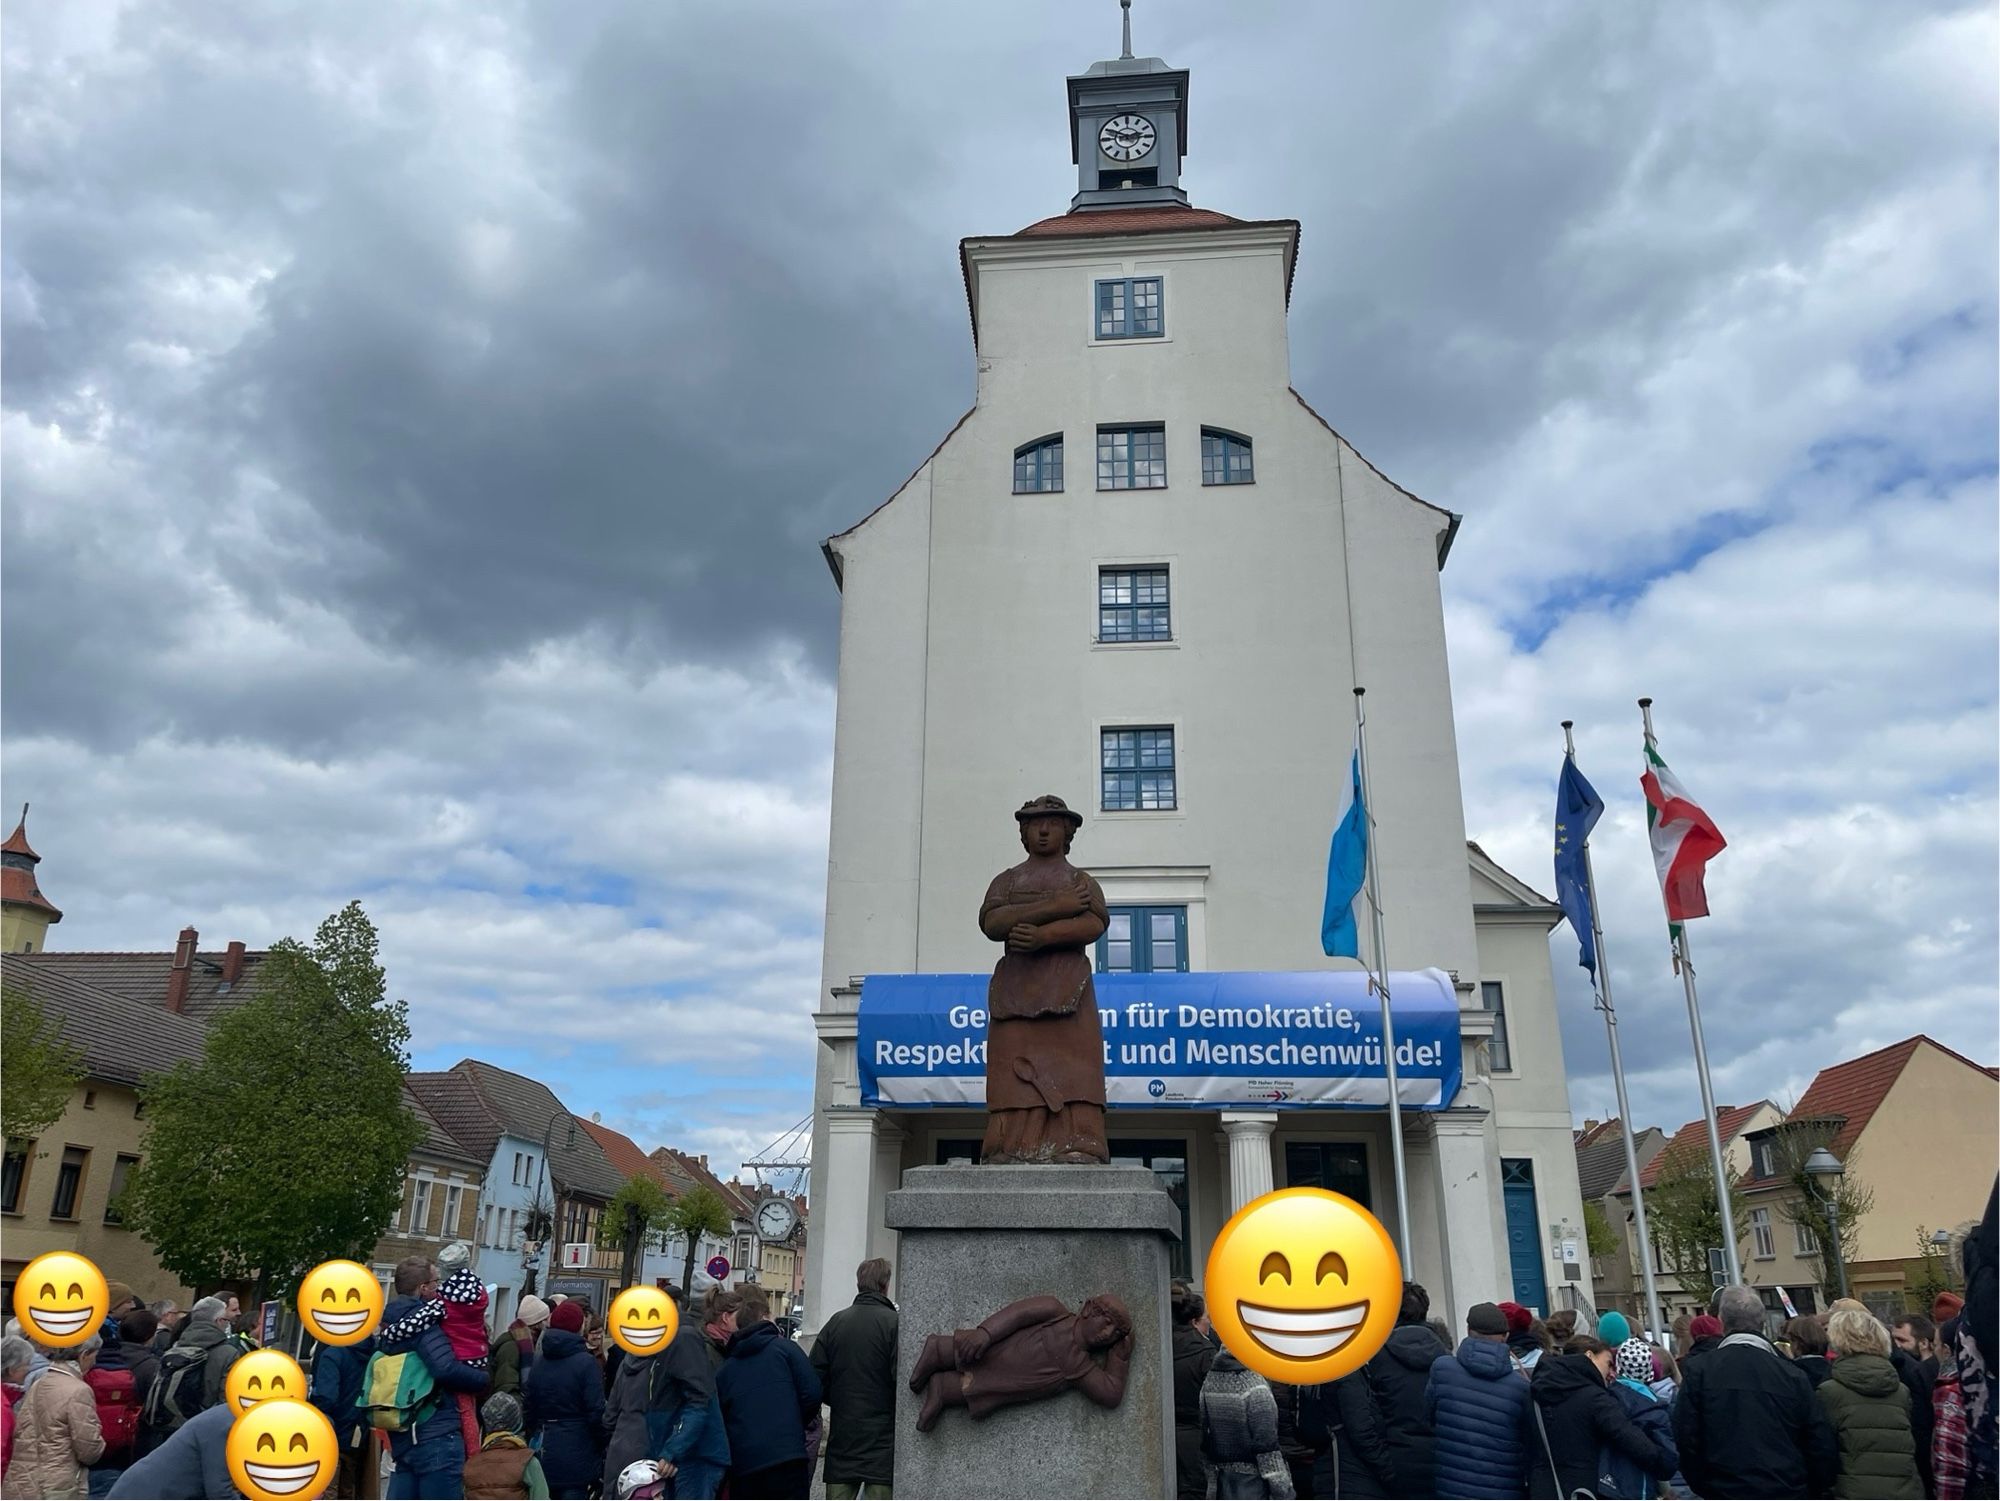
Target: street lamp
column 1825, row 1170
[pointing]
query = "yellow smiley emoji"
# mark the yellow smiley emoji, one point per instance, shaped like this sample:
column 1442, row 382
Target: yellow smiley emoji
column 263, row 1376
column 643, row 1320
column 1303, row 1286
column 340, row 1302
column 61, row 1299
column 281, row 1450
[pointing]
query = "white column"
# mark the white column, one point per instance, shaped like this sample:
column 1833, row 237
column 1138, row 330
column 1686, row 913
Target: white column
column 845, row 1201
column 1249, row 1134
column 888, row 1178
column 1468, row 1189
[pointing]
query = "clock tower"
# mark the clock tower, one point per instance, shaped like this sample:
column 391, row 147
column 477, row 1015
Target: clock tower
column 1128, row 130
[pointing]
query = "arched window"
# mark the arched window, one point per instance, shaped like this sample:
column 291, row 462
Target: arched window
column 1225, row 458
column 1038, row 465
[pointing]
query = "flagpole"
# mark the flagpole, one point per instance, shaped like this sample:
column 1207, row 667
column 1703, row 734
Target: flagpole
column 1381, row 983
column 1603, row 977
column 1685, row 964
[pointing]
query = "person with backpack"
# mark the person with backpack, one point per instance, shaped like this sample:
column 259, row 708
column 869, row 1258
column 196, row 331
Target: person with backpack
column 193, row 1465
column 120, row 1382
column 335, row 1389
column 565, row 1404
column 407, row 1379
column 56, row 1433
column 191, row 1373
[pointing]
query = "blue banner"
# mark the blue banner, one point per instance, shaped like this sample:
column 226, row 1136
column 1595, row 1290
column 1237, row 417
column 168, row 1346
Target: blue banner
column 1212, row 1041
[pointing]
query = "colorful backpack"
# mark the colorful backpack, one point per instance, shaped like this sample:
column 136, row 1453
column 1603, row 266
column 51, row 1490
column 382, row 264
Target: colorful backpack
column 397, row 1391
column 116, row 1393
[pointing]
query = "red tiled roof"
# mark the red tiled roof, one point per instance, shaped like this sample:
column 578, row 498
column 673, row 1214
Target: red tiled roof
column 1855, row 1089
column 17, row 842
column 18, row 889
column 625, row 1155
column 696, row 1169
column 1154, row 219
column 1596, row 1132
column 1692, row 1139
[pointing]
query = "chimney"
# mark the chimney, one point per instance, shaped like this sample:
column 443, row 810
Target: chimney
column 179, row 975
column 232, row 963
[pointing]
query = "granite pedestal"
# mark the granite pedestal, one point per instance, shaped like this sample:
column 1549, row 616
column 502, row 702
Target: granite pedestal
column 974, row 1239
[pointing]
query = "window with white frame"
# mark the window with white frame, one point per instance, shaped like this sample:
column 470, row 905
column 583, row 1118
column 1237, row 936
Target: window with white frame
column 454, row 1199
column 420, row 1205
column 520, row 1168
column 1804, row 1241
column 1760, row 1234
column 1493, row 998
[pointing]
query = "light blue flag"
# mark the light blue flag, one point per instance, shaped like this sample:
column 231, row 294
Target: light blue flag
column 1346, row 866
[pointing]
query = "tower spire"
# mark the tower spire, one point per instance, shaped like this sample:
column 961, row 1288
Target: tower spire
column 1126, row 7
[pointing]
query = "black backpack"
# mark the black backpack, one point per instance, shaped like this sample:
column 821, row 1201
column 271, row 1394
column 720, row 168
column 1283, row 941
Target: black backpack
column 179, row 1391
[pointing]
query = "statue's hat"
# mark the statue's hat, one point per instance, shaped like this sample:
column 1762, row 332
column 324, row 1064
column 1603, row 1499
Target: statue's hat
column 1049, row 806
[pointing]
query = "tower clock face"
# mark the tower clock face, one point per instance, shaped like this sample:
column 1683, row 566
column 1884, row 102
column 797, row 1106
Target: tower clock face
column 775, row 1219
column 1126, row 138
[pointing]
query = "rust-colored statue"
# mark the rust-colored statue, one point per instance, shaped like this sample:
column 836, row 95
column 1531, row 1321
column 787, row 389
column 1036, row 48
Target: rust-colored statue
column 1044, row 1044
column 1031, row 1349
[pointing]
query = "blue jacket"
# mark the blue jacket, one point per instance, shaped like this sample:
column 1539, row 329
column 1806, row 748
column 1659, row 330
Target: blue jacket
column 565, row 1405
column 448, row 1373
column 1478, row 1407
column 684, row 1422
column 192, row 1463
column 336, row 1384
column 769, row 1395
column 1653, row 1418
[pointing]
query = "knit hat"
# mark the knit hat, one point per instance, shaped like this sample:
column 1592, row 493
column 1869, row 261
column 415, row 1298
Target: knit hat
column 501, row 1412
column 1702, row 1325
column 1946, row 1306
column 1518, row 1318
column 532, row 1311
column 121, row 1294
column 1485, row 1318
column 1613, row 1328
column 567, row 1315
column 1635, row 1361
column 453, row 1257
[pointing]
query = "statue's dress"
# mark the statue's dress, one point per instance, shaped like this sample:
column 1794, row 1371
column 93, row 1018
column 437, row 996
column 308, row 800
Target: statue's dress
column 1044, row 1043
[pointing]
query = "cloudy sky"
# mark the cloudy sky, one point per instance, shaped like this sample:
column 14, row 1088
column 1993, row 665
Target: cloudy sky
column 420, row 421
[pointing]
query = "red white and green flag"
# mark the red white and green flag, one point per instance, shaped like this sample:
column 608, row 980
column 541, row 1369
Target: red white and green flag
column 1684, row 839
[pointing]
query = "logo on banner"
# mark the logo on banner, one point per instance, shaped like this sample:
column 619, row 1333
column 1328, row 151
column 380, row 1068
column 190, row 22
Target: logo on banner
column 1157, row 1088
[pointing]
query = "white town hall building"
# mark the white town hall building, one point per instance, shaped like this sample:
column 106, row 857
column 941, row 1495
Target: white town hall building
column 1142, row 574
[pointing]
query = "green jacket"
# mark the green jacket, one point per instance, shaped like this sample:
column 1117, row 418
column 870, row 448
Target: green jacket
column 1870, row 1412
column 511, row 1354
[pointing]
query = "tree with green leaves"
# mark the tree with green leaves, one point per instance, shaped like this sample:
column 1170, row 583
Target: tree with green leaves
column 38, row 1070
column 285, row 1146
column 698, row 1212
column 640, row 1208
column 1682, row 1215
column 1791, row 1144
column 1599, row 1237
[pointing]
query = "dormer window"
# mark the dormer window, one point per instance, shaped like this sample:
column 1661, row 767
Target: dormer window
column 1225, row 458
column 1130, row 307
column 1038, row 466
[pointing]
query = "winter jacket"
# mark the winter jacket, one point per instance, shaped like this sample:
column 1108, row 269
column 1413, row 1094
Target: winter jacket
column 219, row 1352
column 1193, row 1354
column 448, row 1373
column 769, row 1395
column 1870, row 1411
column 1748, row 1425
column 8, row 1395
column 684, row 1421
column 565, row 1408
column 506, row 1469
column 1817, row 1368
column 1383, row 1442
column 1652, row 1415
column 1477, row 1403
column 1700, row 1350
column 56, row 1435
column 1582, row 1426
column 1239, row 1431
column 1948, row 1459
column 192, row 1464
column 511, row 1358
column 140, row 1360
column 855, row 1360
column 335, row 1386
column 625, row 1408
column 1918, row 1383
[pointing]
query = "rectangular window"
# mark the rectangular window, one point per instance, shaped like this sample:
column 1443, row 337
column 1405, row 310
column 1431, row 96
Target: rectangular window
column 1143, row 941
column 1761, row 1164
column 1132, row 605
column 1492, row 999
column 1132, row 458
column 1804, row 1241
column 420, row 1206
column 1038, row 467
column 69, row 1183
column 520, row 1168
column 1168, row 1160
column 1128, row 307
column 1760, row 1234
column 454, row 1200
column 121, row 1174
column 14, row 1175
column 1138, row 769
column 1225, row 458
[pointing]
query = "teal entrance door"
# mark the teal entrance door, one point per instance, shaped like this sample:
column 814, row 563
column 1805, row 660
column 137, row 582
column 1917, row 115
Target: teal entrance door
column 1524, row 1234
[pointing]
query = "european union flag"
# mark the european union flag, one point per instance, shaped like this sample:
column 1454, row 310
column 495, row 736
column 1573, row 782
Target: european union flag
column 1578, row 807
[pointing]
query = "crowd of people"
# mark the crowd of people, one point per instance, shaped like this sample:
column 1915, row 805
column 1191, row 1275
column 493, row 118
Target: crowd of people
column 1839, row 1404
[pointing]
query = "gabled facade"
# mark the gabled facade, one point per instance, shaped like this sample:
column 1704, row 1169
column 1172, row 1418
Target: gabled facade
column 1603, row 1178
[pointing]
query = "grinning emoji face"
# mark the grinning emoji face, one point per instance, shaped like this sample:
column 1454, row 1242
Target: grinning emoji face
column 643, row 1320
column 340, row 1302
column 263, row 1376
column 1303, row 1286
column 280, row 1450
column 61, row 1299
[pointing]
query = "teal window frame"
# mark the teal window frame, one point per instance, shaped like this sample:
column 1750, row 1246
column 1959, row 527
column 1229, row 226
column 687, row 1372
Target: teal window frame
column 1132, row 456
column 1137, row 770
column 1131, row 307
column 1134, row 604
column 1141, row 956
column 1038, row 466
column 1227, row 458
